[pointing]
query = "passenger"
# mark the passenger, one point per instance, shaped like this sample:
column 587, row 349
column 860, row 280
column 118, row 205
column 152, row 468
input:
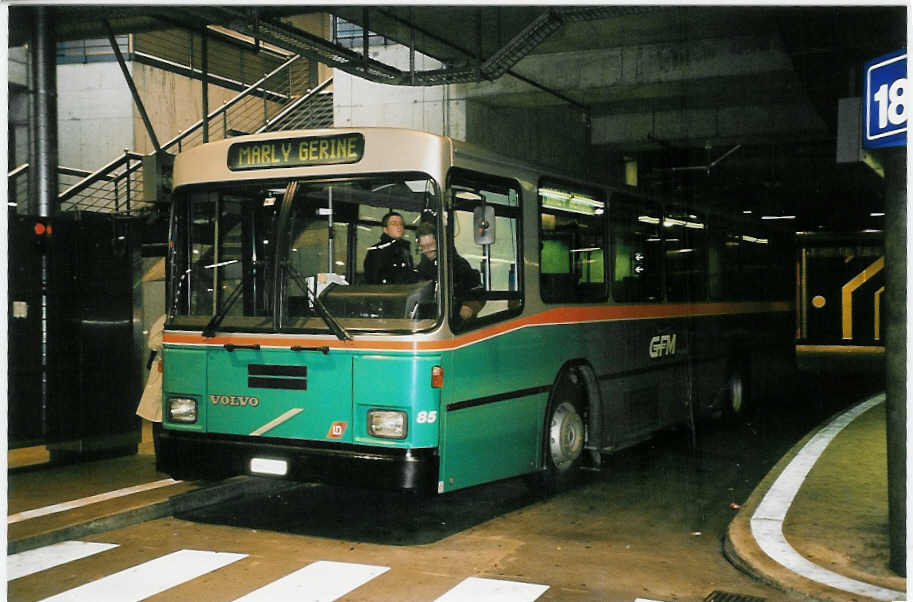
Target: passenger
column 467, row 285
column 150, row 404
column 390, row 260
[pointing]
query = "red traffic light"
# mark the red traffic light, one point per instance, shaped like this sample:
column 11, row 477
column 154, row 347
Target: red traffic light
column 42, row 229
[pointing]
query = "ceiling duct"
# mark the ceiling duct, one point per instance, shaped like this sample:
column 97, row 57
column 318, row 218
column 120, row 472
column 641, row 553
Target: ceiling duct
column 282, row 34
column 544, row 26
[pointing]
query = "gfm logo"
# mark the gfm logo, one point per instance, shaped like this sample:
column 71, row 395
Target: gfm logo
column 662, row 345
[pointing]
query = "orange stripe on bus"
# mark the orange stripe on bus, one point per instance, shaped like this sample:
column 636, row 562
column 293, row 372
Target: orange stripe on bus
column 558, row 315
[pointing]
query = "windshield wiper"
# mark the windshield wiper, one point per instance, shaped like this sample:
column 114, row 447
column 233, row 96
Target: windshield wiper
column 322, row 311
column 210, row 329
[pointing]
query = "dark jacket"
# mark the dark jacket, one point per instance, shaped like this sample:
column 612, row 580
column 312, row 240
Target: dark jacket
column 467, row 282
column 389, row 262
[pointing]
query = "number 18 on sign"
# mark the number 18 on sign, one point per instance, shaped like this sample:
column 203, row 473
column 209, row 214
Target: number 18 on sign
column 885, row 107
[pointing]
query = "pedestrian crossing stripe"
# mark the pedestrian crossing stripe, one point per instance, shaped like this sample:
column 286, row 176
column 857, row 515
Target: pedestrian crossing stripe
column 473, row 589
column 42, row 559
column 149, row 578
column 320, row 581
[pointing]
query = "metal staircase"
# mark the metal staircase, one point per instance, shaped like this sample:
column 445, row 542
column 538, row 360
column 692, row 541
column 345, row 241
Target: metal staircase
column 279, row 101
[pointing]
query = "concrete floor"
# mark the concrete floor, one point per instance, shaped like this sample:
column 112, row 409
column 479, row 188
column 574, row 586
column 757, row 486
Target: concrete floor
column 649, row 526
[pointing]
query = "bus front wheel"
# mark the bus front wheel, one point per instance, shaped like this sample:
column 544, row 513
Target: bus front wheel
column 566, row 435
column 565, row 439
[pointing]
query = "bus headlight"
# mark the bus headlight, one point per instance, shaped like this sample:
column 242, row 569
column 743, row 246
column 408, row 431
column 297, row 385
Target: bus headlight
column 388, row 424
column 182, row 409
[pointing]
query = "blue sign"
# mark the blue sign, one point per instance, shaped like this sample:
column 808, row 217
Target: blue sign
column 885, row 108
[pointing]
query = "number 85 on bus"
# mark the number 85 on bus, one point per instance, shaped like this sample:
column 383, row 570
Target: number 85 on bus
column 885, row 105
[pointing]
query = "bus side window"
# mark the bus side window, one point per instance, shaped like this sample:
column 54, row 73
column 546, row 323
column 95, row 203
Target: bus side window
column 636, row 251
column 765, row 263
column 726, row 279
column 497, row 266
column 685, row 242
column 572, row 242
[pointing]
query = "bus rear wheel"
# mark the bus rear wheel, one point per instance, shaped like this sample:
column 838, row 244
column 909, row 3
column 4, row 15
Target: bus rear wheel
column 737, row 394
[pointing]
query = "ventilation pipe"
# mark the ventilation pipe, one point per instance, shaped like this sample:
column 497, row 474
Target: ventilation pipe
column 43, row 177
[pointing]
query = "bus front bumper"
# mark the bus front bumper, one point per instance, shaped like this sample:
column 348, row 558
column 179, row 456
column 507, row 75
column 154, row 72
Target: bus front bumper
column 193, row 456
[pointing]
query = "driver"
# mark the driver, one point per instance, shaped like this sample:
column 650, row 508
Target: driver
column 389, row 261
column 467, row 283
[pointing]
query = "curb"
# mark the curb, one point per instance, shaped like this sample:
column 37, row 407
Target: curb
column 744, row 552
column 199, row 498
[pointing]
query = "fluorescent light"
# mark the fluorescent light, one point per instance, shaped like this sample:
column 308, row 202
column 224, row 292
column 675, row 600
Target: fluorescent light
column 877, row 214
column 760, row 241
column 648, row 220
column 554, row 194
column 566, row 201
column 671, row 221
column 778, row 217
column 218, row 265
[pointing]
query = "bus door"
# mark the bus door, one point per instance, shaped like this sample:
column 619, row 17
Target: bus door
column 493, row 418
column 685, row 250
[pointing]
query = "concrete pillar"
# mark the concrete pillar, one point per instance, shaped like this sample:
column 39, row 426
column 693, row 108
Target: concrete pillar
column 43, row 170
column 895, row 243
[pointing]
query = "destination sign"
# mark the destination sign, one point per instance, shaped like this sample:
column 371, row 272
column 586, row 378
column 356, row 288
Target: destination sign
column 296, row 152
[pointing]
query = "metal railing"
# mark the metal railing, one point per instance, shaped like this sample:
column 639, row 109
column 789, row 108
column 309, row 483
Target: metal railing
column 115, row 188
column 251, row 109
column 314, row 110
column 110, row 189
column 280, row 100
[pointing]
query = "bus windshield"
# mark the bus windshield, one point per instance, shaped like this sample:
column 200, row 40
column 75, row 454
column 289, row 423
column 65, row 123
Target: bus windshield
column 349, row 247
column 290, row 256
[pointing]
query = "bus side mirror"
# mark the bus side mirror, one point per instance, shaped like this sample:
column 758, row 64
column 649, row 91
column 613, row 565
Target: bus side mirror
column 483, row 222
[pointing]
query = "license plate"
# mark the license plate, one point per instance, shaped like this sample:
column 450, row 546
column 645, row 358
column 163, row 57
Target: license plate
column 269, row 466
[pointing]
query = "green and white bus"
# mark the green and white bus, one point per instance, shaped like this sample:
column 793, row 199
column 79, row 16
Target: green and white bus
column 601, row 318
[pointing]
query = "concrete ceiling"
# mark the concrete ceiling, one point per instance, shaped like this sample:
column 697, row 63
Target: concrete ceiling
column 681, row 87
column 750, row 91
